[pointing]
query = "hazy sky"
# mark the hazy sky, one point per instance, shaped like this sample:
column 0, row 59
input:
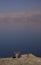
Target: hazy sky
column 19, row 5
column 20, row 10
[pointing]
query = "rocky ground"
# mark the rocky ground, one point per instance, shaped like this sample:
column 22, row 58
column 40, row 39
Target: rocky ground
column 26, row 59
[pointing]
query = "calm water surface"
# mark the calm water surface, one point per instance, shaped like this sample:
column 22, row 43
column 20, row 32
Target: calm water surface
column 23, row 37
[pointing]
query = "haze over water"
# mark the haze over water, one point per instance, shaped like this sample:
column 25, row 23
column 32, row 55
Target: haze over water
column 25, row 38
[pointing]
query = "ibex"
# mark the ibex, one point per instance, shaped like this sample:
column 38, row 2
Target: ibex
column 16, row 54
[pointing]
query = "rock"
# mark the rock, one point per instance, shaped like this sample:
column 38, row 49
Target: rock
column 25, row 59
